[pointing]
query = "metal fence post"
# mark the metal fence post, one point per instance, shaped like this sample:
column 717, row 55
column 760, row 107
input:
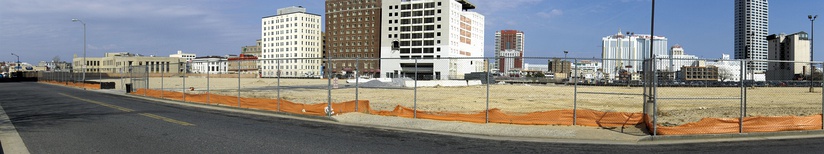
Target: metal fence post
column 575, row 96
column 415, row 106
column 329, row 87
column 185, row 68
column 822, row 98
column 752, row 77
column 487, row 88
column 145, row 92
column 131, row 79
column 277, row 73
column 208, row 80
column 123, row 73
column 655, row 87
column 162, row 73
column 743, row 97
column 652, row 96
column 238, row 81
column 357, row 83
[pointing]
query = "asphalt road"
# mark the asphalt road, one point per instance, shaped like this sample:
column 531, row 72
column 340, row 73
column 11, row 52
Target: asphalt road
column 54, row 119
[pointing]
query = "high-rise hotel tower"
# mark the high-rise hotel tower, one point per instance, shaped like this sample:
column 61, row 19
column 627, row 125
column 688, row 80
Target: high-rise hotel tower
column 751, row 30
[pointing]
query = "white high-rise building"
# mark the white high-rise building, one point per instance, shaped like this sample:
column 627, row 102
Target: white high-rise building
column 294, row 38
column 431, row 31
column 627, row 52
column 751, row 30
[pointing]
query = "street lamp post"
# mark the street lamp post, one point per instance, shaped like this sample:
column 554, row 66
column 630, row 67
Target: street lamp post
column 812, row 31
column 17, row 67
column 84, row 47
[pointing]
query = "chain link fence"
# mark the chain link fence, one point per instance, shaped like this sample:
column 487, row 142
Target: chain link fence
column 669, row 97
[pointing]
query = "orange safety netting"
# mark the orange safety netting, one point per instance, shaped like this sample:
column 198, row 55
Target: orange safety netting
column 751, row 124
column 556, row 117
column 74, row 84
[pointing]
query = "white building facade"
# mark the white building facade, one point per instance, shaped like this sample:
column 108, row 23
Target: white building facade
column 536, row 67
column 587, row 70
column 431, row 31
column 627, row 52
column 209, row 65
column 675, row 62
column 751, row 29
column 728, row 70
column 291, row 38
column 508, row 63
column 187, row 56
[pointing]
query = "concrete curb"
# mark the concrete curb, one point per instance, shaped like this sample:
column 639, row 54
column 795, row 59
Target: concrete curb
column 231, row 109
column 680, row 139
column 10, row 140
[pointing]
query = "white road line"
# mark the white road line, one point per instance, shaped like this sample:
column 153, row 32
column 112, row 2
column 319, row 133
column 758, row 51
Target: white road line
column 9, row 138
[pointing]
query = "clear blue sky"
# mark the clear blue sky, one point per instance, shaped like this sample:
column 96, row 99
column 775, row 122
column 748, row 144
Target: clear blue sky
column 39, row 30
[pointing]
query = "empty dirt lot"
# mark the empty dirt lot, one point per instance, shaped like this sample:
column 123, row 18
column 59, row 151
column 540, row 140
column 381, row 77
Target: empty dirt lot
column 676, row 105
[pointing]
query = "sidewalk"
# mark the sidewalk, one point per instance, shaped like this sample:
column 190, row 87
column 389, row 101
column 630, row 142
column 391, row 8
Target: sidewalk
column 535, row 133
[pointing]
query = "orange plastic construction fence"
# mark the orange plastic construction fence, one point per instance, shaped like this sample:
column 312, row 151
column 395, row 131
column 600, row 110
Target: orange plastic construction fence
column 74, row 84
column 751, row 124
column 556, row 117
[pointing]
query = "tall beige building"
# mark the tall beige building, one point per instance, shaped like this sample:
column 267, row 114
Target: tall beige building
column 794, row 47
column 291, row 44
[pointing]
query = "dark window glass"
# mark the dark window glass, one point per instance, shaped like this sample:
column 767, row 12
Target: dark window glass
column 416, row 50
column 417, row 43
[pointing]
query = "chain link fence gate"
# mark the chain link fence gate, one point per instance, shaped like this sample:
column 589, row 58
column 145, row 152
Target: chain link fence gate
column 138, row 79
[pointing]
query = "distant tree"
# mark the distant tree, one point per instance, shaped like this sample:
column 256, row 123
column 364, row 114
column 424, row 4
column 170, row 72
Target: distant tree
column 538, row 75
column 55, row 60
column 725, row 74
